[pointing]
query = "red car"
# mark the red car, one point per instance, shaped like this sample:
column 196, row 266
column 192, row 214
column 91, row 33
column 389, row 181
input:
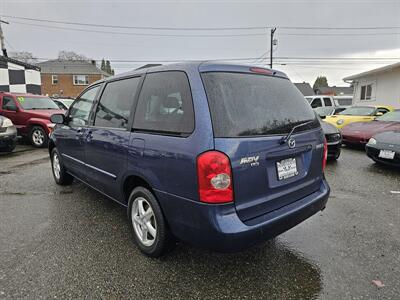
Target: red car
column 361, row 132
column 30, row 114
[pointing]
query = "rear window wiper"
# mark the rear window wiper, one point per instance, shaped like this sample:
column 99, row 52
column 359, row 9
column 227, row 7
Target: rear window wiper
column 287, row 137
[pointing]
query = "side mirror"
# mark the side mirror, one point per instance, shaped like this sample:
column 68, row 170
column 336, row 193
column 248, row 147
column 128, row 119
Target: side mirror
column 57, row 119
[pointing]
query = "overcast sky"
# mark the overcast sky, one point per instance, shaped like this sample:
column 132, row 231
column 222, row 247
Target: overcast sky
column 45, row 42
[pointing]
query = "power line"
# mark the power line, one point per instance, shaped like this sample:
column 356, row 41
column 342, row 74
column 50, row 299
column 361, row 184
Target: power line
column 341, row 34
column 201, row 35
column 281, row 59
column 136, row 27
column 137, row 33
column 338, row 58
column 201, row 28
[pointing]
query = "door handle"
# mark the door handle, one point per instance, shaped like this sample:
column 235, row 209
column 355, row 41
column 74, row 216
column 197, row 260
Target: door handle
column 79, row 131
column 89, row 136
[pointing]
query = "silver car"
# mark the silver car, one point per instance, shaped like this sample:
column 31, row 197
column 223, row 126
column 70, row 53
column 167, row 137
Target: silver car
column 8, row 135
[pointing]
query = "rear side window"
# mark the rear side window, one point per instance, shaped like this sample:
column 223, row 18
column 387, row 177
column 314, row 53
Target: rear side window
column 116, row 103
column 253, row 105
column 165, row 104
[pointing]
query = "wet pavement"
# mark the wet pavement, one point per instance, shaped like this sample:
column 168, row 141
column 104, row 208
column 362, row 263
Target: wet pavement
column 72, row 242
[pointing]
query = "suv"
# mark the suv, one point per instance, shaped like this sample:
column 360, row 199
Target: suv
column 321, row 101
column 221, row 156
column 30, row 114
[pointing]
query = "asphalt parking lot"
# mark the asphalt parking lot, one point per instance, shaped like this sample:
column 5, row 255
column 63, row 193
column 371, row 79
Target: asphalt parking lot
column 72, row 242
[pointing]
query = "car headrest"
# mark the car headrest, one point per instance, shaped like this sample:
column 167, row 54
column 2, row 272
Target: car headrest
column 171, row 102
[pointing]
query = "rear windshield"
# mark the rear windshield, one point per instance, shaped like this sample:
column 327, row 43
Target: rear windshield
column 36, row 103
column 253, row 105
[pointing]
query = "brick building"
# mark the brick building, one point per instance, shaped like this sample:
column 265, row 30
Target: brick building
column 64, row 78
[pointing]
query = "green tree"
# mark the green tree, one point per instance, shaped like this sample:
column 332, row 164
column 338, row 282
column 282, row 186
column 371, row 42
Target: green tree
column 103, row 65
column 321, row 81
column 108, row 67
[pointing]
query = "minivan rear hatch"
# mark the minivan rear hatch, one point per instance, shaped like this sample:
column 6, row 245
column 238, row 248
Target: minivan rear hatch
column 252, row 113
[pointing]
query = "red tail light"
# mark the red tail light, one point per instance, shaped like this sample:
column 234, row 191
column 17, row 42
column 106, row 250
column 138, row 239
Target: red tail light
column 261, row 71
column 215, row 177
column 325, row 155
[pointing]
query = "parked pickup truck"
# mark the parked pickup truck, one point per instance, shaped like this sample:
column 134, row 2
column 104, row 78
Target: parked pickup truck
column 30, row 114
column 321, row 101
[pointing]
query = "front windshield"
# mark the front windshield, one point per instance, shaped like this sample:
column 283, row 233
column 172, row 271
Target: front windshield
column 324, row 111
column 358, row 111
column 390, row 117
column 36, row 103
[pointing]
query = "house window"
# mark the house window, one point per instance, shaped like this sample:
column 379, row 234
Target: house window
column 54, row 79
column 81, row 79
column 366, row 92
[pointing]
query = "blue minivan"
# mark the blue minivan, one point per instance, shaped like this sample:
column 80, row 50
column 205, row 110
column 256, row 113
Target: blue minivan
column 219, row 155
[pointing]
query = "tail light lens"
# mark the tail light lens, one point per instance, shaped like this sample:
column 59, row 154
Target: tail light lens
column 215, row 177
column 325, row 155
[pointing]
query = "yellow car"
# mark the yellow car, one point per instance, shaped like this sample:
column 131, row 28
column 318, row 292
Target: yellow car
column 358, row 114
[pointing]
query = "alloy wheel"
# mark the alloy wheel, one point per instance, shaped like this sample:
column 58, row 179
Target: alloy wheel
column 38, row 137
column 56, row 166
column 144, row 221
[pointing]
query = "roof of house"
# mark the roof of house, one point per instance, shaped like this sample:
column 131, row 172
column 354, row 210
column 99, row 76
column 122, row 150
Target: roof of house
column 77, row 67
column 374, row 71
column 305, row 88
column 335, row 90
column 20, row 63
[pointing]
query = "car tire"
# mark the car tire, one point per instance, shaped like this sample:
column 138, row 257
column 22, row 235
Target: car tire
column 337, row 154
column 38, row 137
column 60, row 174
column 149, row 228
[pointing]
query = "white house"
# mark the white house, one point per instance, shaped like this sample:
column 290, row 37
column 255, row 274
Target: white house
column 378, row 86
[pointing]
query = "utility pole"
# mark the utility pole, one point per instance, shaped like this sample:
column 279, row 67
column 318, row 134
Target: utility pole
column 3, row 46
column 271, row 46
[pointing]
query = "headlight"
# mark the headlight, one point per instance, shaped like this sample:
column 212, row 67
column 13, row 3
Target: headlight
column 334, row 137
column 340, row 122
column 372, row 141
column 7, row 123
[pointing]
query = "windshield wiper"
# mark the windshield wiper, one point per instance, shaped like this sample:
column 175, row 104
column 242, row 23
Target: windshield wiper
column 287, row 137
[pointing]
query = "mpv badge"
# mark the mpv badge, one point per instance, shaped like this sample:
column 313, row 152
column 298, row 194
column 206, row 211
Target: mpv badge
column 291, row 143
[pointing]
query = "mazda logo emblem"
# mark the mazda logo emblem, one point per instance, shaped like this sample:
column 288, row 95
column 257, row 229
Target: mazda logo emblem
column 291, row 143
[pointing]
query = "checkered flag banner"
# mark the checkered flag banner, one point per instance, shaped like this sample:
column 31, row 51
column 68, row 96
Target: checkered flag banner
column 19, row 77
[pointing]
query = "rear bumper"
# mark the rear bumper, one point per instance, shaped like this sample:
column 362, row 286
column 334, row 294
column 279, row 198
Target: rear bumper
column 218, row 228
